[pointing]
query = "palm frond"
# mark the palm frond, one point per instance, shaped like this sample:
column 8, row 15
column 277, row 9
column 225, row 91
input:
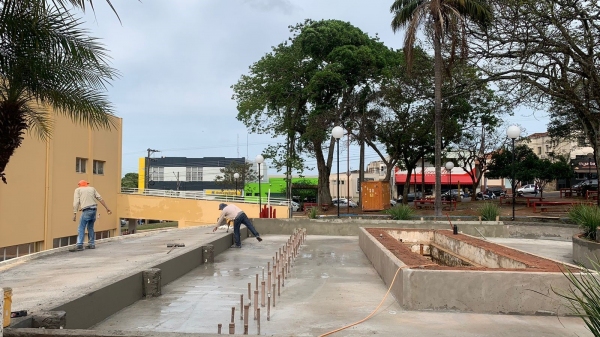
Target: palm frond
column 39, row 121
column 403, row 11
column 478, row 11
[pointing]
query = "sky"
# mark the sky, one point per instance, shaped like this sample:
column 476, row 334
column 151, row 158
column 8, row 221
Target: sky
column 179, row 58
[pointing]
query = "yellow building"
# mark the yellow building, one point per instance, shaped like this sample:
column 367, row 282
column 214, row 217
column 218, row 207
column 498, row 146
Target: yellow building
column 36, row 205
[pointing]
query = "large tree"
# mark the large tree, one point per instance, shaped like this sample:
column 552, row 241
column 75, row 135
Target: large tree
column 227, row 177
column 545, row 53
column 446, row 19
column 48, row 62
column 300, row 90
column 130, row 180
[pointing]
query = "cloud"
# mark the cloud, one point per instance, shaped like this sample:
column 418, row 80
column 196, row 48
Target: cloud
column 283, row 6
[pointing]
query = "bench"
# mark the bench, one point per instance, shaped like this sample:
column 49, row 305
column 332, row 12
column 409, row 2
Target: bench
column 568, row 192
column 591, row 194
column 309, row 205
column 528, row 200
column 426, row 202
column 542, row 206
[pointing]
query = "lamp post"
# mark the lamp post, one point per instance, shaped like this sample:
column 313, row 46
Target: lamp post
column 513, row 133
column 337, row 133
column 259, row 160
column 449, row 167
column 590, row 166
column 288, row 192
column 236, row 176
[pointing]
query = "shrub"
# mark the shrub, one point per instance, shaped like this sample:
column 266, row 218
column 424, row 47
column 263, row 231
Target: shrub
column 489, row 211
column 313, row 213
column 400, row 212
column 583, row 296
column 587, row 218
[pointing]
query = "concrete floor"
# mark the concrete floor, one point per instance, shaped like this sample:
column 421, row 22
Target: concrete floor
column 554, row 250
column 331, row 285
column 57, row 277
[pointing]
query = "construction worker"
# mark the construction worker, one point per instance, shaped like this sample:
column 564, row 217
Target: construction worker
column 239, row 218
column 84, row 200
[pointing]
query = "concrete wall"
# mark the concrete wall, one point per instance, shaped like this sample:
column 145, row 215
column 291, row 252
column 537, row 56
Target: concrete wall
column 188, row 212
column 471, row 291
column 92, row 308
column 478, row 255
column 586, row 252
column 37, row 201
column 351, row 227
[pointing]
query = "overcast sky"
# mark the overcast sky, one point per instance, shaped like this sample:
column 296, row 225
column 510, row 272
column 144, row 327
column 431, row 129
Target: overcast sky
column 179, row 58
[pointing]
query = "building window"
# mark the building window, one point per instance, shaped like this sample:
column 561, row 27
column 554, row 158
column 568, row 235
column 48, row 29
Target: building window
column 539, row 150
column 99, row 167
column 157, row 173
column 11, row 252
column 80, row 164
column 193, row 173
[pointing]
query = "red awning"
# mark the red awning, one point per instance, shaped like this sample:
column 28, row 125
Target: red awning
column 458, row 175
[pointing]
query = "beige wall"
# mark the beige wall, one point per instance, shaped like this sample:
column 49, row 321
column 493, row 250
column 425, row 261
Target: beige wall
column 36, row 205
column 187, row 212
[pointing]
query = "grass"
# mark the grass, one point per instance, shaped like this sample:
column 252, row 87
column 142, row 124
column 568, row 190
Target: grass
column 587, row 218
column 489, row 211
column 158, row 225
column 400, row 212
column 313, row 213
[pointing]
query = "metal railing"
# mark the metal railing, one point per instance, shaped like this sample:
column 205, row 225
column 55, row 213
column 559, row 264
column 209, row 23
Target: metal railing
column 201, row 195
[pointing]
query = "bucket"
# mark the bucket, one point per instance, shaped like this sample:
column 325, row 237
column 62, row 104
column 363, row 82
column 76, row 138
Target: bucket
column 7, row 306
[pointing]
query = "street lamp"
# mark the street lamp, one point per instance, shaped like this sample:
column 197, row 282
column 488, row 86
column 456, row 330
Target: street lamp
column 236, row 176
column 513, row 133
column 449, row 167
column 337, row 133
column 590, row 165
column 259, row 160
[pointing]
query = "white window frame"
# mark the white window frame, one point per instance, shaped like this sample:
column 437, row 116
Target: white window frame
column 193, row 173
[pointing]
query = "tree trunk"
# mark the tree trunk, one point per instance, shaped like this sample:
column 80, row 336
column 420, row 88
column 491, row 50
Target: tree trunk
column 324, row 195
column 361, row 172
column 12, row 128
column 438, row 115
column 407, row 187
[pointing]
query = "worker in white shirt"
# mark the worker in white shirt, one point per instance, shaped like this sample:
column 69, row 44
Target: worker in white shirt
column 84, row 200
column 239, row 218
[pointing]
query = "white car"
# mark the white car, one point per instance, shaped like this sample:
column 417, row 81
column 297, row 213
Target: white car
column 344, row 202
column 529, row 188
column 295, row 205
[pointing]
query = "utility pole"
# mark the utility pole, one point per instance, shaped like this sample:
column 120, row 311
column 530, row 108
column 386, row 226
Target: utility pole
column 147, row 177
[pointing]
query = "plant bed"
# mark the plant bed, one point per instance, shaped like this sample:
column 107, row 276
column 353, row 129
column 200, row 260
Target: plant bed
column 585, row 251
column 463, row 273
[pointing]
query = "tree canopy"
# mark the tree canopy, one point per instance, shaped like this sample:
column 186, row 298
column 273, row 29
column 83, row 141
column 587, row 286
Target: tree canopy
column 302, row 89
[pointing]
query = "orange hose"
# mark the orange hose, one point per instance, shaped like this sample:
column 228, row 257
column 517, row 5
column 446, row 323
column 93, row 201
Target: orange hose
column 376, row 309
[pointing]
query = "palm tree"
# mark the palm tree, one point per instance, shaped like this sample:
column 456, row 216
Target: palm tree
column 47, row 61
column 447, row 18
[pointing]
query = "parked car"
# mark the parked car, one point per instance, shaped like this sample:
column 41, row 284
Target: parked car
column 452, row 194
column 393, row 202
column 527, row 189
column 295, row 205
column 344, row 202
column 123, row 222
column 411, row 197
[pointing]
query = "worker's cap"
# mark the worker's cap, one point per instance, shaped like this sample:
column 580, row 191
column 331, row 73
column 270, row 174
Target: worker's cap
column 82, row 183
column 221, row 206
